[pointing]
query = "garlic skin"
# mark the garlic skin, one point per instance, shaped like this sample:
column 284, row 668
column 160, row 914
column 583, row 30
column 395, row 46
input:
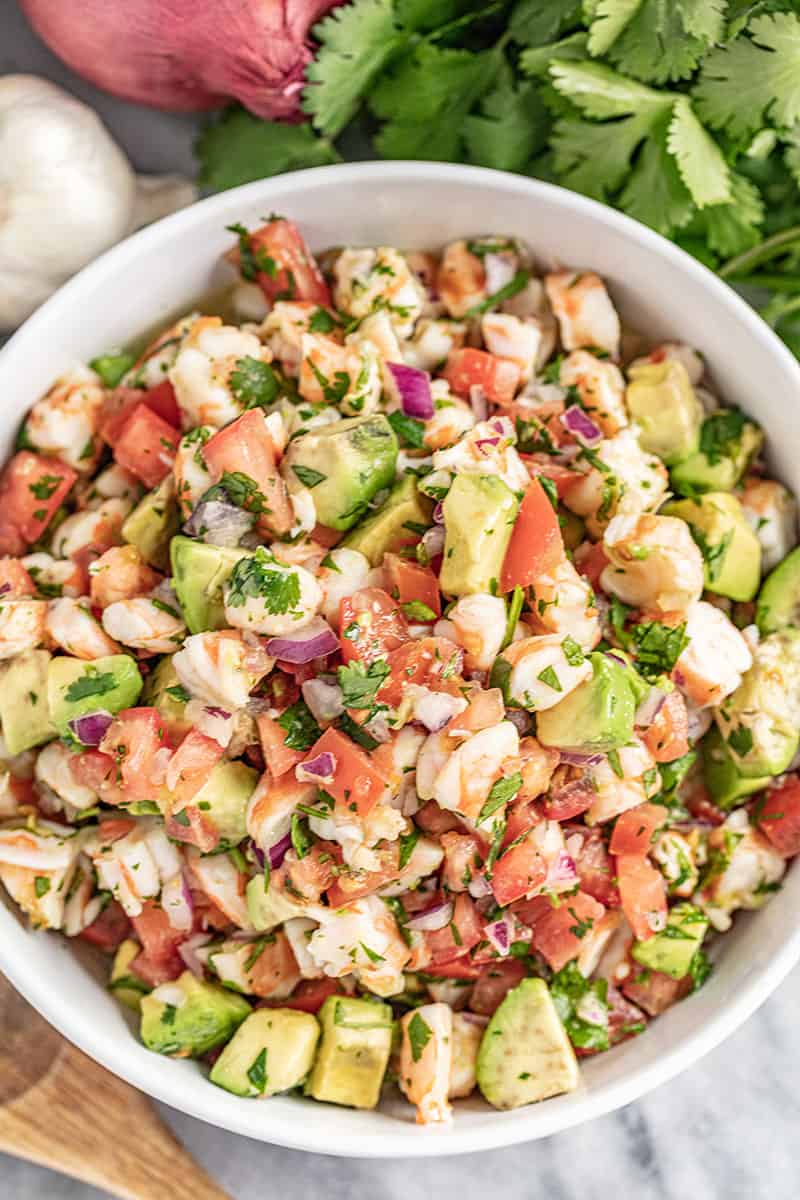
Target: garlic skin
column 67, row 192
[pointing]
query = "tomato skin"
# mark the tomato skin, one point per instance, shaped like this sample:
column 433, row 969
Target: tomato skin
column 643, row 895
column 123, row 400
column 467, row 368
column 410, row 581
column 536, row 544
column 553, row 933
column 357, row 784
column 569, row 800
column 145, row 445
column 24, row 516
column 195, row 828
column 493, row 985
column 164, row 402
column 455, row 968
column 274, row 968
column 594, row 865
column 132, row 741
column 592, row 563
column 159, row 941
column 371, row 625
column 634, row 829
column 519, row 870
column 462, row 860
column 190, row 765
column 467, row 927
column 310, row 994
column 109, row 929
column 668, row 736
column 422, row 662
column 97, row 771
column 779, row 818
column 295, row 274
column 245, row 446
column 279, row 758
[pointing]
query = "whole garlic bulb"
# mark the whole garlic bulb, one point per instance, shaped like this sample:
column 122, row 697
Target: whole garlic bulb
column 67, row 192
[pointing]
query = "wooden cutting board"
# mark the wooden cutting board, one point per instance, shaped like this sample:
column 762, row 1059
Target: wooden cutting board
column 61, row 1110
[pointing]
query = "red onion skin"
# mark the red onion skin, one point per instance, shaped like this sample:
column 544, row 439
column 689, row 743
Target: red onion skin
column 581, row 425
column 301, row 652
column 414, row 389
column 90, row 729
column 277, row 852
column 186, row 55
column 442, row 911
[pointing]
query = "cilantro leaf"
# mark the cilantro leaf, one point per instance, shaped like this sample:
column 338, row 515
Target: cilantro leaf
column 360, row 683
column 239, row 489
column 112, row 367
column 302, row 837
column 253, row 383
column 419, row 1034
column 93, row 683
column 733, row 227
column 720, row 433
column 601, row 93
column 699, row 158
column 407, row 842
column 257, row 1071
column 239, row 148
column 657, row 41
column 409, row 430
column 300, row 727
column 654, row 192
column 308, row 476
column 510, row 127
column 258, row 576
column 536, row 21
column 658, row 647
column 502, row 792
column 582, row 1006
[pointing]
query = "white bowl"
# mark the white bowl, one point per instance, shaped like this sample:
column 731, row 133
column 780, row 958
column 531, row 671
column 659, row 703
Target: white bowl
column 160, row 273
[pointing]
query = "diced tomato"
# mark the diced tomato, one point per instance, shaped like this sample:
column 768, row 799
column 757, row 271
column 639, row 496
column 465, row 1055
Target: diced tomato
column 424, row 662
column 193, row 828
column 310, row 994
column 569, row 800
column 109, row 929
column 123, row 400
column 190, row 766
column 668, row 737
column 245, row 447
column 155, row 973
column 624, row 1019
column 15, row 582
column 536, row 544
column 146, row 445
column 591, row 563
column 523, row 816
column 643, row 895
column 31, row 489
column 458, row 938
column 285, row 267
column 111, row 829
column 493, row 985
column 634, row 829
column 519, row 870
column 653, row 991
column 275, row 968
column 159, row 943
column 97, row 771
column 311, row 875
column 279, row 757
column 162, row 400
column 562, row 477
column 134, row 740
column 411, row 583
column 456, row 968
column 357, row 783
column 703, row 808
column 436, row 821
column 779, row 817
column 558, row 934
column 371, row 625
column 467, row 368
column 594, row 865
column 462, row 860
column 347, row 887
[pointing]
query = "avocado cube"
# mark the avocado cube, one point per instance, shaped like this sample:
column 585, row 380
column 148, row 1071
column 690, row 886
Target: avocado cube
column 662, row 402
column 24, row 711
column 344, row 465
column 267, row 907
column 127, row 987
column 76, row 687
column 188, row 1018
column 725, row 784
column 163, row 691
column 271, row 1051
column 199, row 574
column 353, row 1053
column 152, row 524
column 778, row 604
column 479, row 515
column 672, row 949
column 760, row 720
column 728, row 444
column 404, row 508
column 223, row 798
column 598, row 715
column 731, row 551
column 525, row 1054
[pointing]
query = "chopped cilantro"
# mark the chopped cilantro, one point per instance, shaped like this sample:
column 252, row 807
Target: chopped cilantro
column 260, row 577
column 254, row 383
column 309, row 477
column 501, row 792
column 299, row 725
column 419, row 1034
column 360, row 683
column 93, row 683
column 257, row 1071
column 409, row 430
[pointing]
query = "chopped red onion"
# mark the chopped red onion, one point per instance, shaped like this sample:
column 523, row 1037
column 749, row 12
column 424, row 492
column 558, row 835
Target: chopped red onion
column 500, row 934
column 258, row 854
column 503, row 426
column 433, row 541
column 323, row 698
column 699, row 722
column 219, row 522
column 617, row 658
column 435, row 709
column 414, row 390
column 519, row 719
column 478, row 402
column 316, row 640
column 5, row 588
column 482, row 443
column 431, row 919
column 90, row 729
column 500, row 270
column 580, row 425
column 222, row 714
column 438, row 513
column 562, row 871
column 479, row 887
column 650, row 707
column 188, row 952
column 277, row 852
column 320, row 769
column 580, row 760
column 475, row 1018
column 591, row 1009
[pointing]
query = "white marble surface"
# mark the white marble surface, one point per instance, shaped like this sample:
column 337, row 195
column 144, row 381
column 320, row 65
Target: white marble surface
column 725, row 1129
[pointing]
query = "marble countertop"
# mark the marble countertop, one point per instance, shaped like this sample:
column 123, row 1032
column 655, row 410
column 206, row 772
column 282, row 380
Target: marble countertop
column 726, row 1128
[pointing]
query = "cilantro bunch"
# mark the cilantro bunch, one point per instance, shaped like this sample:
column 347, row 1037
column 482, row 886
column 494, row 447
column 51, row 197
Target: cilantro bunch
column 683, row 113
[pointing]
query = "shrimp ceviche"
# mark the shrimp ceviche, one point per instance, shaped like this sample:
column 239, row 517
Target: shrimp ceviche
column 402, row 681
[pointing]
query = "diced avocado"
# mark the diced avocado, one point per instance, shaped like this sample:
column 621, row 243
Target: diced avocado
column 731, row 551
column 152, row 524
column 223, row 798
column 344, row 465
column 404, row 507
column 353, row 1053
column 205, row 1017
column 271, row 1051
column 127, row 987
column 671, row 951
column 661, row 400
column 24, row 711
column 199, row 573
column 778, row 604
column 598, row 715
column 728, row 443
column 525, row 1054
column 163, row 690
column 759, row 722
column 479, row 515
column 573, row 528
column 267, row 907
column 76, row 687
column 725, row 784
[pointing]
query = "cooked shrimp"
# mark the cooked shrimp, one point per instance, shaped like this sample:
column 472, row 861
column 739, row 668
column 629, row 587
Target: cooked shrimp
column 283, row 330
column 115, row 483
column 745, row 865
column 486, row 449
column 537, row 764
column 272, row 805
column 36, row 869
column 348, row 376
column 771, row 512
column 433, row 340
column 136, row 866
column 55, row 577
column 23, row 625
column 463, row 783
column 654, row 562
column 361, row 938
column 513, row 338
column 91, row 529
column 479, row 626
column 675, row 855
column 629, row 480
column 53, row 770
column 378, row 333
column 65, row 422
column 595, row 941
column 601, row 389
column 223, row 883
column 563, row 603
column 451, row 418
column 543, row 671
column 298, row 930
column 202, row 371
column 461, row 279
column 221, row 668
column 120, row 574
column 716, row 658
column 583, row 308
column 259, row 968
column 426, row 1060
column 257, row 608
column 366, row 280
column 154, row 365
column 192, row 476
column 615, row 793
column 349, row 572
column 72, row 626
column 145, row 623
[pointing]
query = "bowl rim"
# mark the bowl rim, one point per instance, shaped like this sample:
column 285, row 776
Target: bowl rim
column 498, row 1129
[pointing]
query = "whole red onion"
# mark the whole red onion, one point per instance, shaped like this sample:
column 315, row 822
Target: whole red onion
column 186, row 54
